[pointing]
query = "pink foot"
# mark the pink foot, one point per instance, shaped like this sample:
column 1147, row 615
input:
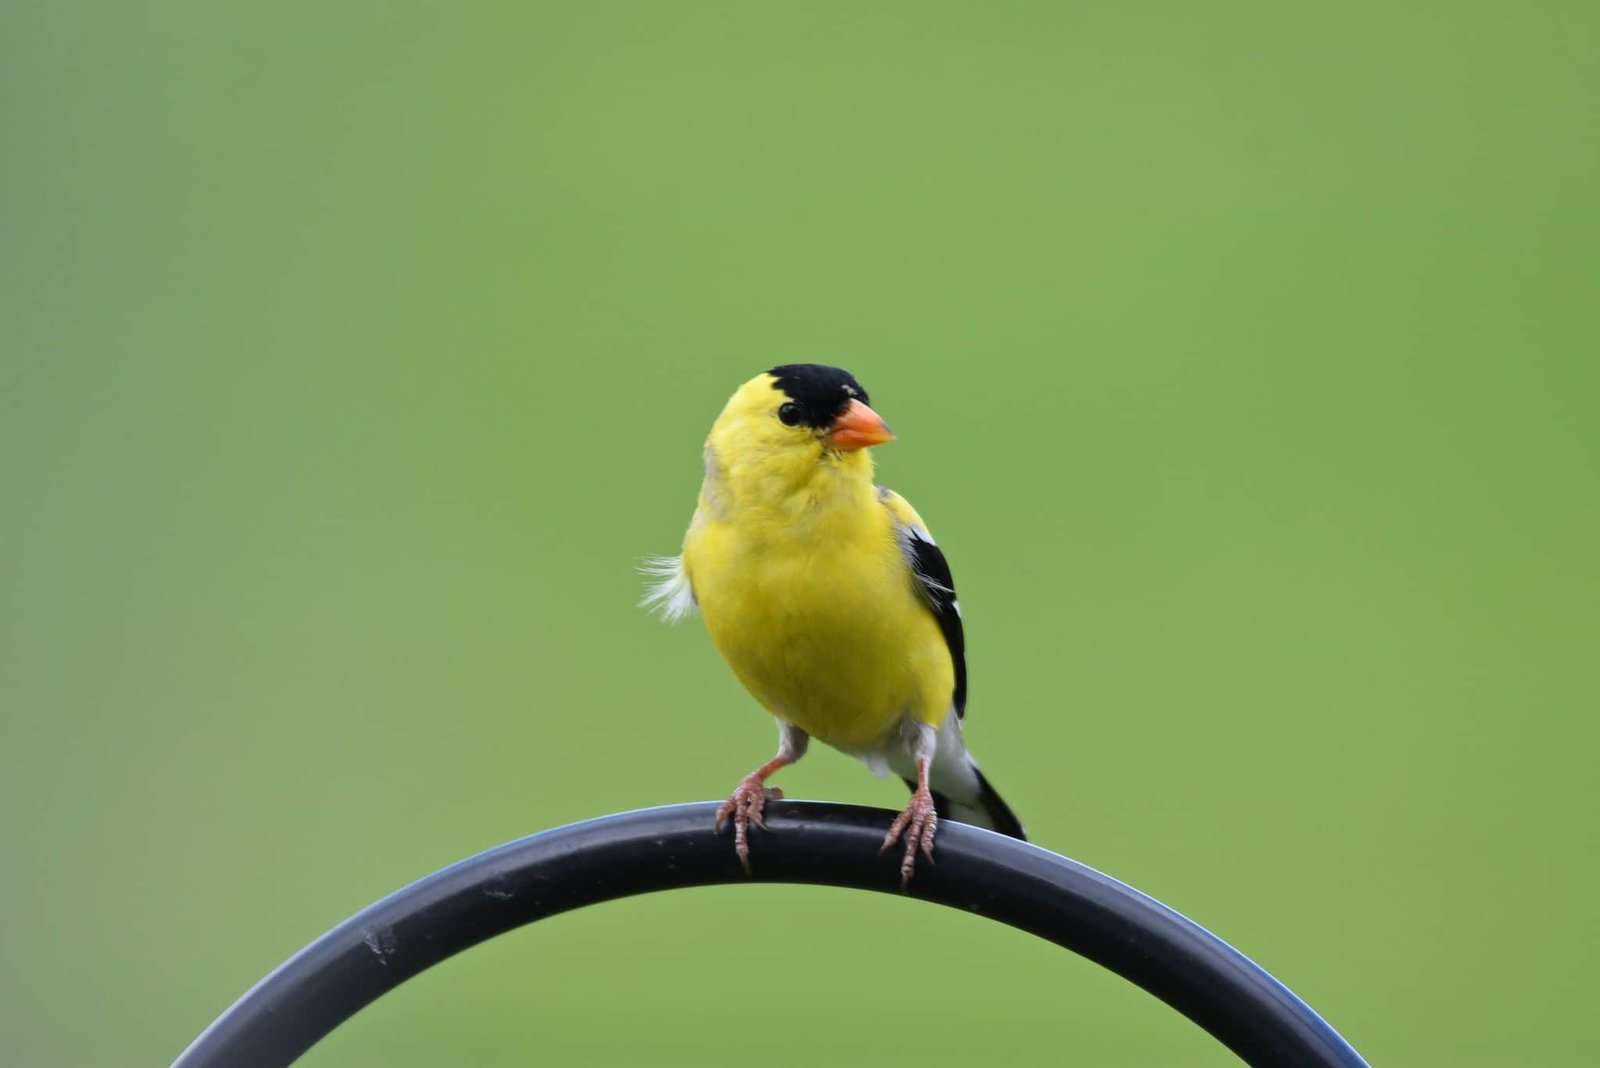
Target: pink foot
column 918, row 822
column 745, row 807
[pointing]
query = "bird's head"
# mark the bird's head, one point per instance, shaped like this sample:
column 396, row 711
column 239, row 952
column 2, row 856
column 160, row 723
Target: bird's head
column 794, row 420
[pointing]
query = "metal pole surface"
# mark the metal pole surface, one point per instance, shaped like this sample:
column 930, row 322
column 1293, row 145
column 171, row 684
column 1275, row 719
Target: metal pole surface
column 671, row 847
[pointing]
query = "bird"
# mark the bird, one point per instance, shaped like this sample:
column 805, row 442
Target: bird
column 832, row 603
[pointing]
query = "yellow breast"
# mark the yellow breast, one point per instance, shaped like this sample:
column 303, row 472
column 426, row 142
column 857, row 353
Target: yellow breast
column 819, row 620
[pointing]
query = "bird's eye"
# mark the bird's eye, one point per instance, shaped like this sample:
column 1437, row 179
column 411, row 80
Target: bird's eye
column 790, row 414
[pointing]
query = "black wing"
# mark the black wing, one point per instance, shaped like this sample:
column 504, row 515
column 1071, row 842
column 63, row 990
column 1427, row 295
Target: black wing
column 938, row 588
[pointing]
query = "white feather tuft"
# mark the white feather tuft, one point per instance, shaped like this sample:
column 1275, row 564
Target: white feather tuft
column 669, row 596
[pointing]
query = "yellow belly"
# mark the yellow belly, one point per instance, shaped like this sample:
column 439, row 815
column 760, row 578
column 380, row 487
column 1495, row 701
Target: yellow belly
column 826, row 632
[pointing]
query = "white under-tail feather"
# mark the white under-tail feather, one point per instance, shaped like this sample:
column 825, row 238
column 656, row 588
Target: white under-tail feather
column 669, row 595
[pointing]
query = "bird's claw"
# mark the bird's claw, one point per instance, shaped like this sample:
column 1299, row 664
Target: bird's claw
column 745, row 807
column 918, row 823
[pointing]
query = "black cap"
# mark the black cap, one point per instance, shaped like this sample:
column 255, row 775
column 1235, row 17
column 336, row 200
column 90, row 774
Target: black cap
column 822, row 392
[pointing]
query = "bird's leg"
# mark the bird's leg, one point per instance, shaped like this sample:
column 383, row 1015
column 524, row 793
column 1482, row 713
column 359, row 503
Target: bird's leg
column 752, row 794
column 919, row 821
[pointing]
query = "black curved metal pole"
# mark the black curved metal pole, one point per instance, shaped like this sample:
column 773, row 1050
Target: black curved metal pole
column 666, row 848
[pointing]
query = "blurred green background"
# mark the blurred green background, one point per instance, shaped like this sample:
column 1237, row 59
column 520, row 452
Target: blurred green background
column 1243, row 358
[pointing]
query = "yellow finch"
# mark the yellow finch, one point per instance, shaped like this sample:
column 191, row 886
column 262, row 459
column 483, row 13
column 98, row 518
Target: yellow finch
column 829, row 599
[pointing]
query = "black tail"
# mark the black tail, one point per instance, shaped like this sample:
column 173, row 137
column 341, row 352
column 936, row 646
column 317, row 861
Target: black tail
column 987, row 809
column 1001, row 817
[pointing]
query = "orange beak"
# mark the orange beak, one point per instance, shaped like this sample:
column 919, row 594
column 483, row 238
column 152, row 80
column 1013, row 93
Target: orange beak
column 857, row 428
